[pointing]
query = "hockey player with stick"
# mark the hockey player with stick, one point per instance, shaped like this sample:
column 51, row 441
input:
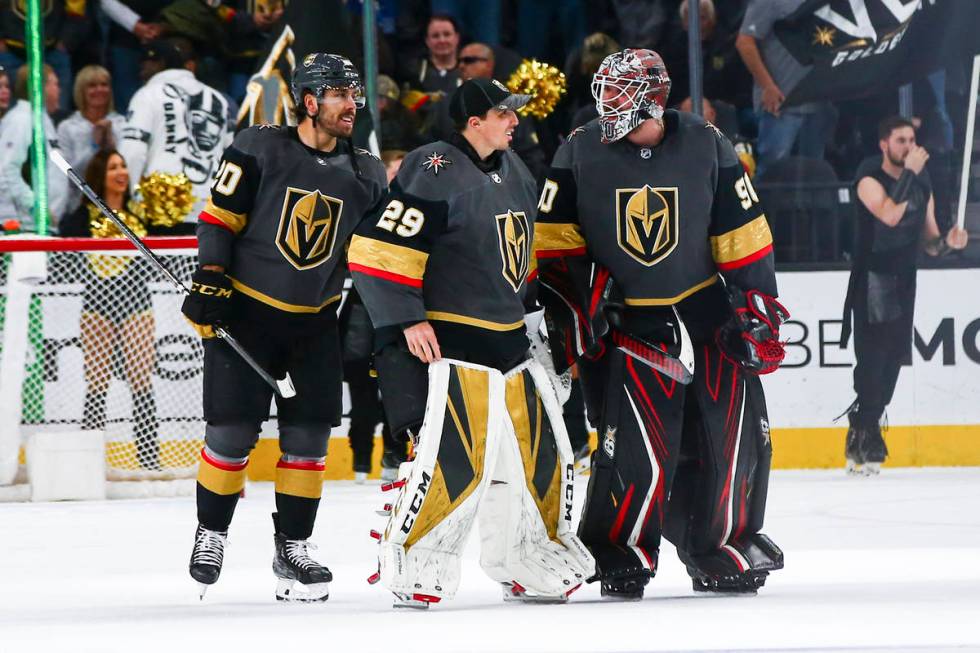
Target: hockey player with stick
column 646, row 217
column 271, row 251
column 446, row 267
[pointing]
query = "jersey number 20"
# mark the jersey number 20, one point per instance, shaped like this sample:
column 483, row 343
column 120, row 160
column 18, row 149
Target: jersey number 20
column 227, row 178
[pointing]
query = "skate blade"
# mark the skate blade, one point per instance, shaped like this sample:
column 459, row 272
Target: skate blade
column 871, row 469
column 853, row 468
column 287, row 591
column 514, row 593
column 415, row 601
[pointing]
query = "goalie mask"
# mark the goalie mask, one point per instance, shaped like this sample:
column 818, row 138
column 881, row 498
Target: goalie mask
column 630, row 86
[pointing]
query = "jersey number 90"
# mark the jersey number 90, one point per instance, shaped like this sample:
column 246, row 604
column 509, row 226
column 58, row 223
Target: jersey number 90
column 746, row 193
column 404, row 222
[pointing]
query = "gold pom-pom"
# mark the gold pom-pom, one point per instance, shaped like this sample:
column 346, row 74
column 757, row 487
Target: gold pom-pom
column 102, row 227
column 166, row 199
column 544, row 83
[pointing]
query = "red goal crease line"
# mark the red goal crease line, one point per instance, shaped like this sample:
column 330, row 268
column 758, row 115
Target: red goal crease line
column 52, row 244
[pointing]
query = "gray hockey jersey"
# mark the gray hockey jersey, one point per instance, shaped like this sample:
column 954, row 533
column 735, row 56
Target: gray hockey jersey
column 280, row 215
column 453, row 246
column 665, row 220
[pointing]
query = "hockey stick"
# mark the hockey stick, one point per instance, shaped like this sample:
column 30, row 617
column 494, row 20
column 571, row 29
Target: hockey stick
column 678, row 366
column 283, row 387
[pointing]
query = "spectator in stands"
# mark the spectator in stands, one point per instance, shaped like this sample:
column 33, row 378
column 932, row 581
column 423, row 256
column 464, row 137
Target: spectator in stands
column 642, row 22
column 805, row 127
column 896, row 219
column 176, row 124
column 16, row 192
column 480, row 18
column 134, row 24
column 94, row 126
column 111, row 319
column 579, row 69
column 399, row 126
column 726, row 82
column 542, row 22
column 248, row 24
column 4, row 93
column 438, row 72
column 63, row 26
column 393, row 162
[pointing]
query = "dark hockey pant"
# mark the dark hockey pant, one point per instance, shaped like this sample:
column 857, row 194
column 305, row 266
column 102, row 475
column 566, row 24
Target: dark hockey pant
column 366, row 413
column 879, row 350
column 689, row 462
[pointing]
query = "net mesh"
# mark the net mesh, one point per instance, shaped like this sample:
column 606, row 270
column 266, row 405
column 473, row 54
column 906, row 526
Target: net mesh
column 107, row 348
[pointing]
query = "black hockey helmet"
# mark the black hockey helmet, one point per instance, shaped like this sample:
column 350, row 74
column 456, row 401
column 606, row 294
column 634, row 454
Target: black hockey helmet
column 319, row 71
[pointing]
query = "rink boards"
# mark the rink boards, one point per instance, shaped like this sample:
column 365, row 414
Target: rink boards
column 933, row 419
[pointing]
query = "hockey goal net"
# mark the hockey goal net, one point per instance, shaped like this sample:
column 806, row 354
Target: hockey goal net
column 93, row 339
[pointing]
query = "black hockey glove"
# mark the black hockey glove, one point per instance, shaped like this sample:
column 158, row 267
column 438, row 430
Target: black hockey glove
column 750, row 339
column 209, row 302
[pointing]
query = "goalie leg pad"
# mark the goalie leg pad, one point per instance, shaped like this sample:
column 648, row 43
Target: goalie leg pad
column 719, row 497
column 632, row 469
column 739, row 567
column 526, row 517
column 437, row 505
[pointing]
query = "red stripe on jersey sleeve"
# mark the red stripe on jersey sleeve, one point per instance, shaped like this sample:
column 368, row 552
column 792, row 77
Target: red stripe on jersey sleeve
column 384, row 274
column 745, row 260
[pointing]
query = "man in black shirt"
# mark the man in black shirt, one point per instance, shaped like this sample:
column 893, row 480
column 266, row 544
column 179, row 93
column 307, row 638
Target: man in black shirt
column 896, row 215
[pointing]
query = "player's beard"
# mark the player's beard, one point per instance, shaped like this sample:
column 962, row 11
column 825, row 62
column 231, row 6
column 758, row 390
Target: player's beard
column 333, row 126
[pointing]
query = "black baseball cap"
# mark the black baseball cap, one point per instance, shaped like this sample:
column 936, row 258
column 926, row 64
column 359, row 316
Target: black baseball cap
column 477, row 96
column 165, row 52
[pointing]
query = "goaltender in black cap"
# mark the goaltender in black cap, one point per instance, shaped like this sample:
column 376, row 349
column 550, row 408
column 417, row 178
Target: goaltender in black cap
column 484, row 113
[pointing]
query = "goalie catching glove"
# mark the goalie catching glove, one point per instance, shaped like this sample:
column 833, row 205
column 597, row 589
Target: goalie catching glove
column 209, row 301
column 750, row 339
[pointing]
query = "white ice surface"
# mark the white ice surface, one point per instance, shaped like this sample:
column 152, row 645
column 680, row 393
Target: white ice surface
column 889, row 563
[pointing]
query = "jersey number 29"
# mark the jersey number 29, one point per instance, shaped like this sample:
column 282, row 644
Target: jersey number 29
column 402, row 221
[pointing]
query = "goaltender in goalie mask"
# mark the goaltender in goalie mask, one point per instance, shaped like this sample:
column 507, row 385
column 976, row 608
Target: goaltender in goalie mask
column 630, row 86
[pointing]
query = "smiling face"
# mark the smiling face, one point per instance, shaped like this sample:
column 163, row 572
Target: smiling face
column 441, row 38
column 98, row 93
column 337, row 110
column 496, row 129
column 116, row 175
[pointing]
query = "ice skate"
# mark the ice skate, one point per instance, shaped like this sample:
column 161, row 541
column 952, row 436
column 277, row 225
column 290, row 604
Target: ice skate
column 414, row 601
column 207, row 556
column 873, row 450
column 360, row 478
column 852, row 452
column 515, row 592
column 628, row 588
column 389, row 465
column 292, row 564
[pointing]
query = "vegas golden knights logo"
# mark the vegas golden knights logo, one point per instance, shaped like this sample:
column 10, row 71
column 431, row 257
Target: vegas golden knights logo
column 308, row 227
column 514, row 236
column 647, row 222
